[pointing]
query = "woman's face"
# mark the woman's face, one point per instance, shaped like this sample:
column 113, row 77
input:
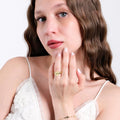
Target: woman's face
column 57, row 28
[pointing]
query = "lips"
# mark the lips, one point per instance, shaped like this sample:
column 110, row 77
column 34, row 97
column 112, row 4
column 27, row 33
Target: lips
column 54, row 43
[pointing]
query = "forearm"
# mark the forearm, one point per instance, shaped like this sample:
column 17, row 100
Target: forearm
column 64, row 110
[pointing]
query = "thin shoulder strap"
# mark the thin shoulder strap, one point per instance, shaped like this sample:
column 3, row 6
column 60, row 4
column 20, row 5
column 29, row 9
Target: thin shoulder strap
column 29, row 66
column 101, row 89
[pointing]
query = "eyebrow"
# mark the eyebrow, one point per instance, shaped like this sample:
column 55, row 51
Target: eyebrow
column 56, row 6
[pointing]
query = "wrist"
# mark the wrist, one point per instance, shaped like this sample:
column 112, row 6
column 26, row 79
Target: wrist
column 70, row 117
column 63, row 108
column 62, row 103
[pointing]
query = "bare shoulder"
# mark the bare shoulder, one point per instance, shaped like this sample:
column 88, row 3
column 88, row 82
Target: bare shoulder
column 112, row 91
column 110, row 102
column 11, row 75
column 111, row 95
column 15, row 68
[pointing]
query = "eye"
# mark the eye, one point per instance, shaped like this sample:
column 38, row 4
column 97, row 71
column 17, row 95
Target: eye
column 41, row 19
column 63, row 14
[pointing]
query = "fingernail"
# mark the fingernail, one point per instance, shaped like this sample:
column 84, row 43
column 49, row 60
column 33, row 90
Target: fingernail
column 65, row 49
column 79, row 71
column 59, row 55
column 72, row 53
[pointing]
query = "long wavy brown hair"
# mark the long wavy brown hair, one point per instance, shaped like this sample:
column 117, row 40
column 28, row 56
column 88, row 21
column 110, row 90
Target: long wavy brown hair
column 93, row 30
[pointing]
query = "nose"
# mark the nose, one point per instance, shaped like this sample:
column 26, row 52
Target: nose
column 51, row 26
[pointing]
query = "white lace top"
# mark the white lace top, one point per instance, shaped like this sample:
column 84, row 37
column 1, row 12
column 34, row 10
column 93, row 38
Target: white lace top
column 27, row 106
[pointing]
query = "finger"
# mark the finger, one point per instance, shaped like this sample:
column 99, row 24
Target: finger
column 81, row 78
column 51, row 73
column 65, row 62
column 72, row 69
column 57, row 66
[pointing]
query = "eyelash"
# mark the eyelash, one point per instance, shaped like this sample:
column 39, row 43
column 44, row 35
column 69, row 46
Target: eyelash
column 61, row 14
column 42, row 19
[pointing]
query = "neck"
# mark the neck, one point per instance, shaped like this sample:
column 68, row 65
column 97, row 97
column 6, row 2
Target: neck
column 82, row 64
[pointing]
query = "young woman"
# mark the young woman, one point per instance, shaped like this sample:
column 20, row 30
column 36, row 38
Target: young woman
column 67, row 74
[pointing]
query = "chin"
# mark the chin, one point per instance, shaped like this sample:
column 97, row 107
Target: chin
column 54, row 52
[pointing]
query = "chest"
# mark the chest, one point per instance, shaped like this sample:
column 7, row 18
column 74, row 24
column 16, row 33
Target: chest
column 83, row 107
column 46, row 102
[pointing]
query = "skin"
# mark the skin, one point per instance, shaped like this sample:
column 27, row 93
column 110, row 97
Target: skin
column 59, row 25
column 60, row 95
column 53, row 24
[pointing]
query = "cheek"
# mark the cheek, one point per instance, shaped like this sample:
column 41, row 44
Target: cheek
column 74, row 36
column 39, row 33
column 73, row 31
column 40, row 36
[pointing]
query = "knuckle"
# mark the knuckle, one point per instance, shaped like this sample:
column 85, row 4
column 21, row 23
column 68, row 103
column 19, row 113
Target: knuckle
column 65, row 64
column 57, row 78
column 56, row 66
column 72, row 83
column 73, row 66
column 63, row 84
column 64, row 76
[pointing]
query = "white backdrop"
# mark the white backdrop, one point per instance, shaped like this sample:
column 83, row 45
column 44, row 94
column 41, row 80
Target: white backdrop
column 13, row 22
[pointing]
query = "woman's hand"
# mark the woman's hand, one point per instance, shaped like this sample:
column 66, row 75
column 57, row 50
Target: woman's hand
column 65, row 85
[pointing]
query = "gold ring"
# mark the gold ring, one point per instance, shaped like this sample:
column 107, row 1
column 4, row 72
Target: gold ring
column 58, row 73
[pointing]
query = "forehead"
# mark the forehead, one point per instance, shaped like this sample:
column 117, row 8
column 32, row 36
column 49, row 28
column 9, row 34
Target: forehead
column 41, row 5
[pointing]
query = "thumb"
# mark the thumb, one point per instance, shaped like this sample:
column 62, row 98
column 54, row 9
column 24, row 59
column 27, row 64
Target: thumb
column 81, row 78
